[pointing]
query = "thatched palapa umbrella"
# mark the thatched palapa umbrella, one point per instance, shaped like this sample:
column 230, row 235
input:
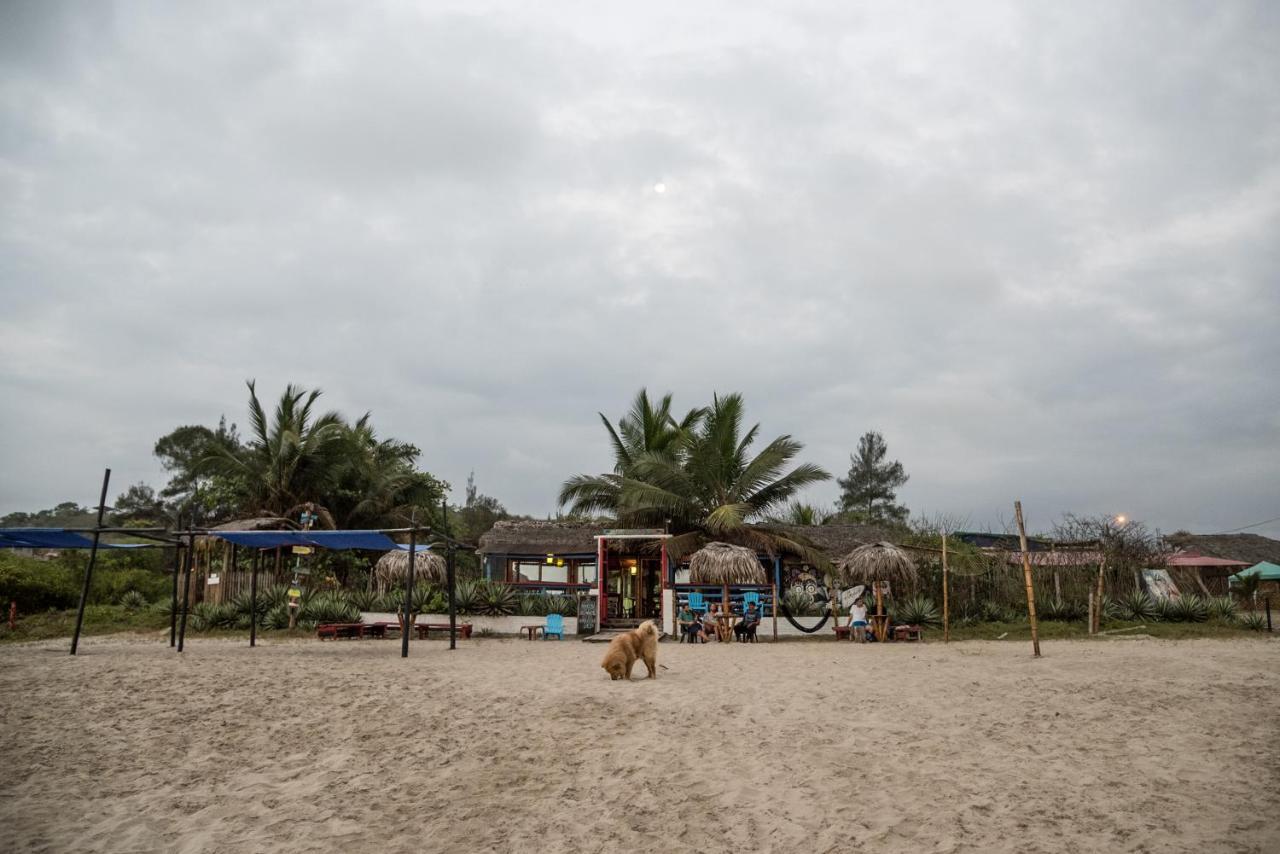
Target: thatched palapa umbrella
column 723, row 564
column 873, row 563
column 394, row 566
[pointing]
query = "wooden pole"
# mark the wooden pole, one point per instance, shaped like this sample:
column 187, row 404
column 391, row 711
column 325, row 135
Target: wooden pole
column 946, row 595
column 253, row 598
column 186, row 591
column 775, row 612
column 407, row 609
column 1026, row 574
column 450, row 569
column 173, row 605
column 93, row 558
column 1097, row 610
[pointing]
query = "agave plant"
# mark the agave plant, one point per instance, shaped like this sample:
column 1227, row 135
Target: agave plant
column 532, row 605
column 498, row 600
column 133, row 601
column 1138, row 607
column 1184, row 609
column 916, row 611
column 466, row 596
column 329, row 607
column 276, row 617
column 566, row 606
column 1222, row 608
column 1061, row 610
column 992, row 611
column 207, row 615
column 798, row 603
column 1252, row 620
column 366, row 600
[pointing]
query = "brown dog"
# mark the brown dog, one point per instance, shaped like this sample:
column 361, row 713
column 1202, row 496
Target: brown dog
column 640, row 642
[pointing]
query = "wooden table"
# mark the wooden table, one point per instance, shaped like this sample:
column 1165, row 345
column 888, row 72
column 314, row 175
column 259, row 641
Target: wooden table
column 532, row 631
column 880, row 625
column 425, row 630
column 725, row 630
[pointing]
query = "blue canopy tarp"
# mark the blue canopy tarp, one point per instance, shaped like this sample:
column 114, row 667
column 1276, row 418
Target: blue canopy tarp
column 374, row 541
column 404, row 547
column 1266, row 571
column 42, row 538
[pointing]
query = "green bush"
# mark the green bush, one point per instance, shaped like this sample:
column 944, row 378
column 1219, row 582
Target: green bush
column 276, row 617
column 110, row 585
column 36, row 585
column 366, row 600
column 799, row 603
column 564, row 605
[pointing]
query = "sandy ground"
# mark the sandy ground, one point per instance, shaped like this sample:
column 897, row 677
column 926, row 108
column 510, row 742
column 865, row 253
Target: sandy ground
column 1133, row 745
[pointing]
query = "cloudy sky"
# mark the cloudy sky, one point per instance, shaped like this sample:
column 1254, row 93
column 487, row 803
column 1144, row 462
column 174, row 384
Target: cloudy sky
column 1036, row 245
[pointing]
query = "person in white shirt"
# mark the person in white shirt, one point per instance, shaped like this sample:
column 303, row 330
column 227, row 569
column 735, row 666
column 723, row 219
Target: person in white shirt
column 858, row 620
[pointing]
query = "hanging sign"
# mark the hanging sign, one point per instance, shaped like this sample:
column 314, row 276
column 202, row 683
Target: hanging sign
column 212, row 579
column 302, row 550
column 294, row 593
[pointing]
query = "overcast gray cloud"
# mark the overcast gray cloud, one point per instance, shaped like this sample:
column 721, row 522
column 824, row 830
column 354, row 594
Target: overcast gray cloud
column 1034, row 244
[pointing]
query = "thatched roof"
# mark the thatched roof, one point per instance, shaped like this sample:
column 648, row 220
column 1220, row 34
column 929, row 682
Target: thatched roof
column 1250, row 548
column 393, row 568
column 532, row 537
column 835, row 541
column 876, row 562
column 721, row 563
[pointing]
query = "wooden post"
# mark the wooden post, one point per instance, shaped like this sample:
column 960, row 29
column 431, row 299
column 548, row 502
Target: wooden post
column 1026, row 574
column 253, row 598
column 946, row 603
column 407, row 608
column 775, row 612
column 93, row 559
column 1096, row 595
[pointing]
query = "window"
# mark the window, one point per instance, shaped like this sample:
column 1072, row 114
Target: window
column 524, row 571
column 553, row 574
column 587, row 573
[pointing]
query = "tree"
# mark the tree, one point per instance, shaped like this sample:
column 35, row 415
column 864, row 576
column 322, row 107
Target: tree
column 290, row 459
column 703, row 482
column 645, row 430
column 140, row 506
column 870, row 489
column 801, row 514
column 195, row 490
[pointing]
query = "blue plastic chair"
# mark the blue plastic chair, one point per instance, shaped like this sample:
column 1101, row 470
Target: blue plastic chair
column 555, row 626
column 697, row 603
column 749, row 597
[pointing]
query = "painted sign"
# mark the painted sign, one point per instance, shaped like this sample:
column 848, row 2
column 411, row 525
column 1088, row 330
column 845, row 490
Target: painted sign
column 1159, row 584
column 213, row 579
column 302, row 550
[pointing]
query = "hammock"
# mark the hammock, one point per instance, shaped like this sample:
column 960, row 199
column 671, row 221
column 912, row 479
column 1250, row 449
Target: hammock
column 792, row 620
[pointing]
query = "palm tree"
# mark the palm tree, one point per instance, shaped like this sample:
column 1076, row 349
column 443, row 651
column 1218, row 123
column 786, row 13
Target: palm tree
column 801, row 514
column 378, row 482
column 646, row 429
column 706, row 484
column 290, row 460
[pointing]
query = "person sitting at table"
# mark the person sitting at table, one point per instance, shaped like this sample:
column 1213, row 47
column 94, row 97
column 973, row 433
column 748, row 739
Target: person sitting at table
column 690, row 624
column 711, row 623
column 858, row 620
column 749, row 622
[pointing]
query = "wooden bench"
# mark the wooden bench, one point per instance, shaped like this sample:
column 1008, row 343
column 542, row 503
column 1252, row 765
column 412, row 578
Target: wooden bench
column 908, row 633
column 425, row 630
column 843, row 632
column 334, row 631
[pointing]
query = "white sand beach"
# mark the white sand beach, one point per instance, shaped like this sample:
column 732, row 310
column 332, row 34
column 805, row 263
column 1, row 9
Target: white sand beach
column 503, row 745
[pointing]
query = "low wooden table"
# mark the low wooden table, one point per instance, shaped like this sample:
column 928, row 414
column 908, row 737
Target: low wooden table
column 880, row 625
column 425, row 630
column 908, row 633
column 531, row 632
column 724, row 631
column 334, row 631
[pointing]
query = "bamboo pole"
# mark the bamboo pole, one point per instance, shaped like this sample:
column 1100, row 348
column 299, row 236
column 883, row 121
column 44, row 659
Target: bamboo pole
column 1097, row 611
column 946, row 603
column 774, row 609
column 1026, row 574
column 93, row 559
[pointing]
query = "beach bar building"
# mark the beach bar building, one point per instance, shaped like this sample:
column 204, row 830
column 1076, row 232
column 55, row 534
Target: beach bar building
column 629, row 573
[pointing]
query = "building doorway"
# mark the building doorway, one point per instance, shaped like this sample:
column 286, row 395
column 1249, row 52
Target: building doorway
column 634, row 586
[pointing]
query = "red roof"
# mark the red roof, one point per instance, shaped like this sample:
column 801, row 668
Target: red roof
column 1191, row 559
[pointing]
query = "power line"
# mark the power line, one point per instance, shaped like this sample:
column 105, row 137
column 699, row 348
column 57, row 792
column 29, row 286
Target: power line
column 1247, row 527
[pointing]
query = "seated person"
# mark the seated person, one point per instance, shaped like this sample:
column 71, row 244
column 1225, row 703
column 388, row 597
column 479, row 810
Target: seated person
column 747, row 625
column 858, row 620
column 684, row 619
column 711, row 623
